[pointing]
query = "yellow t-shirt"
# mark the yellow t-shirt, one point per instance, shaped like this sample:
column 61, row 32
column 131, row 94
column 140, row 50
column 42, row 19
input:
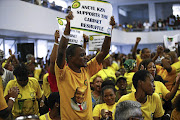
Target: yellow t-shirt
column 46, row 85
column 138, row 60
column 151, row 108
column 160, row 89
column 3, row 104
column 170, row 77
column 26, row 103
column 177, row 66
column 115, row 66
column 129, row 77
column 68, row 83
column 97, row 111
column 37, row 73
column 45, row 117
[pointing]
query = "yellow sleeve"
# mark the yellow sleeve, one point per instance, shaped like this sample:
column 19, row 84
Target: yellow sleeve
column 115, row 66
column 159, row 112
column 97, row 111
column 164, row 90
column 3, row 104
column 8, row 86
column 59, row 72
column 38, row 89
column 46, row 86
column 42, row 117
column 177, row 66
column 37, row 73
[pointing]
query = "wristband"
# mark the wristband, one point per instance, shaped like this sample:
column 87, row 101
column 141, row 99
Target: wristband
column 66, row 36
column 13, row 99
column 56, row 43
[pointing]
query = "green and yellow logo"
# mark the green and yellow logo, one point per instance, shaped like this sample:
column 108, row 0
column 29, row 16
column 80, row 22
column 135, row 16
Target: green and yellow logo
column 76, row 4
column 60, row 21
column 91, row 38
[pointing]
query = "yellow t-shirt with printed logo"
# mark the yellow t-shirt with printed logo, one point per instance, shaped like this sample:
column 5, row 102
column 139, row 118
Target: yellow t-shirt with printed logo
column 129, row 77
column 170, row 77
column 46, row 86
column 98, row 109
column 177, row 66
column 151, row 108
column 160, row 89
column 26, row 103
column 74, row 86
column 3, row 104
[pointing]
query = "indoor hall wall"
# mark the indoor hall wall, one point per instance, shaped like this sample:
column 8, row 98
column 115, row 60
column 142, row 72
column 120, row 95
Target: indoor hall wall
column 23, row 16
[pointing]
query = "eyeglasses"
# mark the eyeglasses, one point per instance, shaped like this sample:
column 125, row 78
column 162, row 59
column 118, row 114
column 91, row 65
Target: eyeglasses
column 27, row 117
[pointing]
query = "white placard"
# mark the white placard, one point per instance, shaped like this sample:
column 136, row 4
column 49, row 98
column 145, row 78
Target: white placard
column 169, row 42
column 76, row 36
column 95, row 42
column 92, row 16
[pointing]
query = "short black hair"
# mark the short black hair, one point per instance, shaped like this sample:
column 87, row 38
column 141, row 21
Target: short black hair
column 20, row 69
column 140, row 75
column 53, row 98
column 107, row 84
column 145, row 63
column 111, row 79
column 70, row 51
column 120, row 78
column 143, row 50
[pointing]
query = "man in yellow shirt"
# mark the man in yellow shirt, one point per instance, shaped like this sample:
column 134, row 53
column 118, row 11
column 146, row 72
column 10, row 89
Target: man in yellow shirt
column 151, row 105
column 29, row 92
column 76, row 74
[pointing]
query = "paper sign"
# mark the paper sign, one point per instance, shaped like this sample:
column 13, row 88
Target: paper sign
column 95, row 42
column 76, row 36
column 92, row 15
column 169, row 42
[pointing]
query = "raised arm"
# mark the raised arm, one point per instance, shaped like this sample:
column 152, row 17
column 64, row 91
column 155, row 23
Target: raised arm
column 166, row 64
column 171, row 94
column 105, row 46
column 138, row 39
column 53, row 55
column 159, row 52
column 63, row 43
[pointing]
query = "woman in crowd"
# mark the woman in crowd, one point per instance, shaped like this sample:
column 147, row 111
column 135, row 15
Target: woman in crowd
column 105, row 110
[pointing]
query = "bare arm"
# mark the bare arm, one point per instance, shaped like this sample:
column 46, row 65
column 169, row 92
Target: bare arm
column 159, row 52
column 138, row 39
column 54, row 52
column 63, row 43
column 171, row 94
column 105, row 46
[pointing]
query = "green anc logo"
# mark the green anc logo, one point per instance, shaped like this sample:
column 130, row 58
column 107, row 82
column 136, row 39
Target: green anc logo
column 60, row 22
column 91, row 38
column 76, row 4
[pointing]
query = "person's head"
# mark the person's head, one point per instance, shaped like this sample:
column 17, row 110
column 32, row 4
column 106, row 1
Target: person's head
column 177, row 103
column 143, row 80
column 168, row 58
column 30, row 58
column 128, row 110
column 21, row 73
column 54, row 101
column 107, row 61
column 79, row 94
column 121, row 83
column 145, row 53
column 130, row 65
column 173, row 56
column 122, row 71
column 97, row 83
column 76, row 55
column 1, row 55
column 108, row 92
column 148, row 65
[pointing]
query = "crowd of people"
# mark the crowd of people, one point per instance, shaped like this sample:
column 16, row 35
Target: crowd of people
column 75, row 86
column 171, row 23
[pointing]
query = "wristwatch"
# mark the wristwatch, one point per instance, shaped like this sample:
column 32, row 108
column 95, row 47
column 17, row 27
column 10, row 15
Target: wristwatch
column 13, row 99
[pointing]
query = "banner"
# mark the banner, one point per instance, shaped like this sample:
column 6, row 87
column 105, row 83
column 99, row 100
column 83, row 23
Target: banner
column 95, row 42
column 76, row 36
column 170, row 42
column 92, row 16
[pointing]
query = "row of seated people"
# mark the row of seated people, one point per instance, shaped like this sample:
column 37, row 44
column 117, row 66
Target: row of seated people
column 25, row 96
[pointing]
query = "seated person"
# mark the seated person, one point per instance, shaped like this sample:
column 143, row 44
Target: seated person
column 128, row 110
column 105, row 110
column 151, row 105
column 53, row 103
column 29, row 92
